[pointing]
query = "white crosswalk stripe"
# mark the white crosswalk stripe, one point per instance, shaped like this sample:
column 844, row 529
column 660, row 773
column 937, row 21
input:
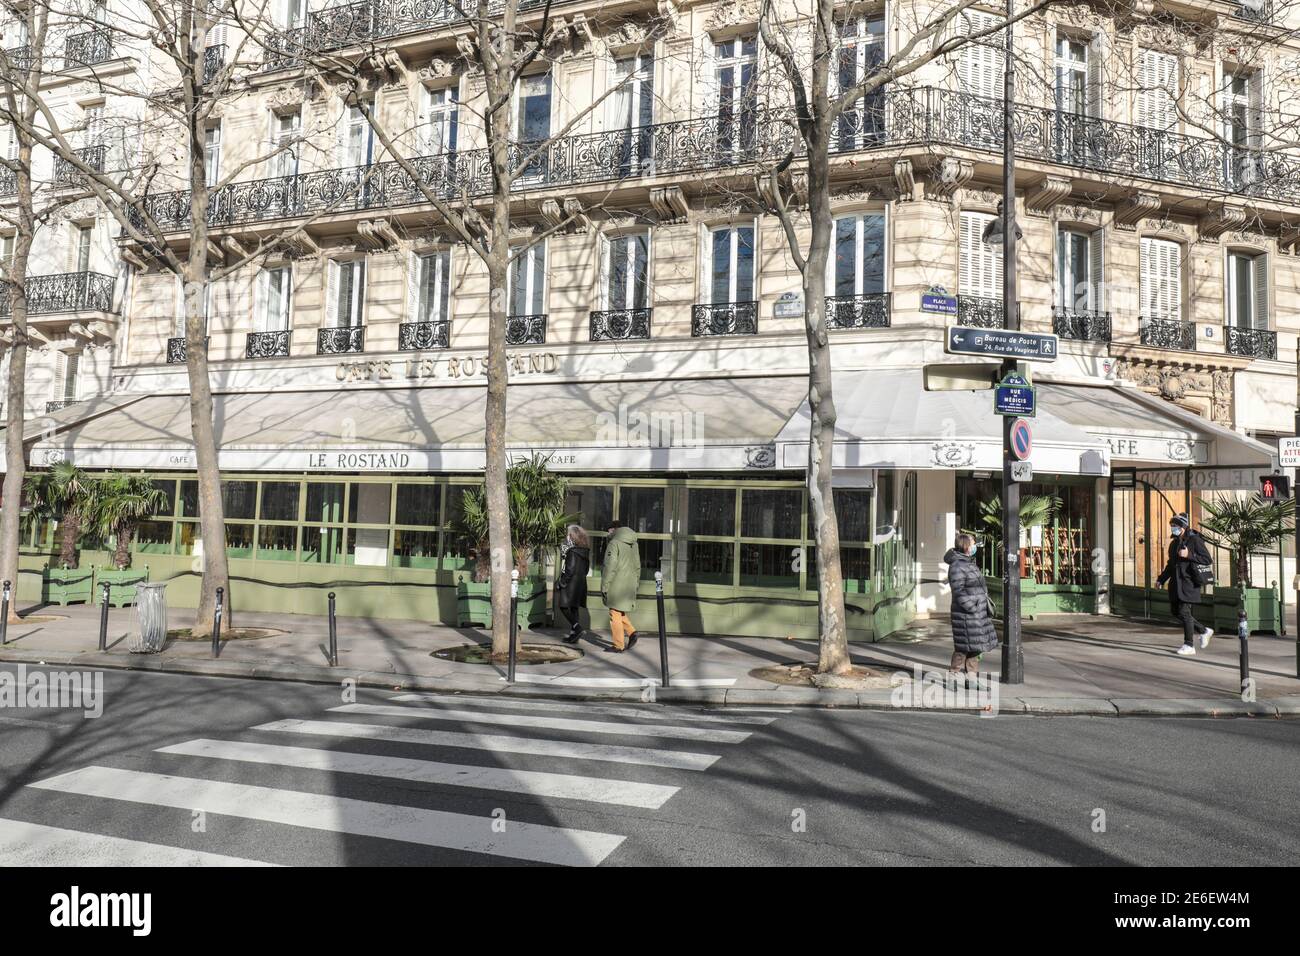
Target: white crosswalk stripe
column 33, row 844
column 675, row 759
column 520, row 841
column 548, row 723
column 532, row 782
column 593, row 710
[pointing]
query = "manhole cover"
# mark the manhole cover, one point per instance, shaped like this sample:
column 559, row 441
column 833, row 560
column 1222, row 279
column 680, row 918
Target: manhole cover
column 527, row 654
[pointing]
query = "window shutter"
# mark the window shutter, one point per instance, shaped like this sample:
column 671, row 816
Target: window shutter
column 1097, row 49
column 981, row 267
column 60, row 375
column 979, row 68
column 602, row 252
column 261, row 302
column 1161, row 279
column 1097, row 269
column 1259, row 276
column 331, row 294
column 179, row 329
column 1255, row 116
column 71, row 383
column 414, row 278
column 341, row 143
column 358, row 310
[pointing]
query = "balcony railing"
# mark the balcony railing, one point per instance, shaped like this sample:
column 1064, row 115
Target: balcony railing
column 267, row 344
column 8, row 182
column 87, row 49
column 66, row 174
column 1163, row 333
column 1255, row 343
column 1084, row 324
column 22, row 57
column 418, row 336
column 724, row 318
column 67, row 292
column 858, row 311
column 62, row 403
column 620, row 324
column 178, row 352
column 214, row 58
column 526, row 329
column 342, row 340
column 980, row 312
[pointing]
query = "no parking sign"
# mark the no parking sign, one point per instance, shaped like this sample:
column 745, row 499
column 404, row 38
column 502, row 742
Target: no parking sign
column 1022, row 442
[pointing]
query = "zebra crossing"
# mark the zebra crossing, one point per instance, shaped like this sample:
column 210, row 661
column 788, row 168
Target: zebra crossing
column 431, row 754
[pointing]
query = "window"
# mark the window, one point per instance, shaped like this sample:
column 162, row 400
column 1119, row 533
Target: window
column 93, row 118
column 205, row 306
column 441, row 113
column 66, row 376
column 862, row 50
column 292, row 13
column 7, row 253
column 286, row 130
column 81, row 249
column 212, row 154
column 528, row 281
column 979, row 64
column 730, row 272
column 430, row 287
column 1247, row 290
column 1072, row 94
column 9, row 137
column 1242, row 97
column 981, row 266
column 356, row 143
column 631, row 109
column 857, row 265
column 1157, row 90
column 735, row 75
column 1160, row 269
column 274, row 291
column 345, row 297
column 626, row 279
column 533, row 118
column 1079, row 269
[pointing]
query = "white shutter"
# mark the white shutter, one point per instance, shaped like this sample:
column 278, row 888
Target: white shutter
column 1157, row 89
column 331, row 294
column 1097, row 268
column 262, row 301
column 414, row 278
column 602, row 270
column 1097, row 49
column 1255, row 115
column 1259, row 277
column 981, row 267
column 979, row 67
column 1161, row 278
column 60, row 372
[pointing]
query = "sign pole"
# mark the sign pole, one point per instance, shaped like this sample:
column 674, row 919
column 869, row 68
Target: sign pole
column 1296, row 540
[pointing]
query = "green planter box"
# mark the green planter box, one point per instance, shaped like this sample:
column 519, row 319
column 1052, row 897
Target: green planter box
column 66, row 586
column 121, row 584
column 474, row 603
column 1262, row 611
column 1036, row 599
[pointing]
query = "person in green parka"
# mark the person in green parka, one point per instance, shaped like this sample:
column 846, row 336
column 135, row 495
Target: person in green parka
column 620, row 575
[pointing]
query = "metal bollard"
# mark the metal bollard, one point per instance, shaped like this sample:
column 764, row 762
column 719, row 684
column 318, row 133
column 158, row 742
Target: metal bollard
column 216, row 624
column 514, row 624
column 334, row 635
column 663, row 633
column 103, row 617
column 1243, row 636
column 4, row 614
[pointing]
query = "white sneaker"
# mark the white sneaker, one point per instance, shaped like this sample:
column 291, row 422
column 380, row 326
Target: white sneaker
column 1186, row 651
column 1205, row 637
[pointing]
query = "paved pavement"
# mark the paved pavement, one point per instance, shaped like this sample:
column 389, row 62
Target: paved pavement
column 200, row 771
column 1073, row 663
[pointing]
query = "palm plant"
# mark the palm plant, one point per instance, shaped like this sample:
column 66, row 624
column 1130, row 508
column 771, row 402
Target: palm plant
column 1245, row 526
column 120, row 503
column 66, row 495
column 537, row 517
column 1035, row 511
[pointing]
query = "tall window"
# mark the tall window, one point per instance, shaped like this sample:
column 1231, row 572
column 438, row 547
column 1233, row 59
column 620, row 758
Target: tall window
column 67, row 376
column 857, row 266
column 431, row 287
column 9, row 140
column 1242, row 97
column 81, row 249
column 292, row 13
column 212, row 153
column 7, row 253
column 1161, row 280
column 533, row 118
column 1157, row 90
column 1072, row 87
column 274, row 292
column 731, row 264
column 626, row 272
column 528, row 281
column 286, row 129
column 441, row 115
column 631, row 108
column 736, row 77
column 979, row 64
column 93, row 117
column 346, row 296
column 862, row 50
column 1247, row 290
column 1079, row 269
column 356, row 144
column 980, row 271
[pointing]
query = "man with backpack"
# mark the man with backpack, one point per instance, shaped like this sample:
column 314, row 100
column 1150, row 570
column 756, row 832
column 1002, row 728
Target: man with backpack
column 1188, row 569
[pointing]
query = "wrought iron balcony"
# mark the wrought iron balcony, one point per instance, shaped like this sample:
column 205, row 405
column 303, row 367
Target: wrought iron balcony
column 724, row 318
column 178, row 352
column 1164, row 333
column 66, row 174
column 1084, row 324
column 267, row 344
column 87, row 49
column 350, row 338
column 620, row 324
column 8, row 182
column 980, row 312
column 214, row 58
column 66, row 292
column 63, row 403
column 1255, row 343
column 526, row 329
column 22, row 57
column 418, row 336
column 858, row 311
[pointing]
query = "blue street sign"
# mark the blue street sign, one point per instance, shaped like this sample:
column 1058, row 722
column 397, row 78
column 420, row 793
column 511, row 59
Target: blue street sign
column 1028, row 346
column 937, row 299
column 1014, row 396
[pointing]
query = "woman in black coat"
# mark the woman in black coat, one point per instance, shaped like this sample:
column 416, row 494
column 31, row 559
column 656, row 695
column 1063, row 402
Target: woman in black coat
column 571, row 589
column 973, row 633
column 1187, row 550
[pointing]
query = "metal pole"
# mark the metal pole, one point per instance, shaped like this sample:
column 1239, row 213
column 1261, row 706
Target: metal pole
column 1013, row 662
column 1243, row 637
column 4, row 614
column 663, row 631
column 103, row 617
column 216, row 624
column 1295, row 581
column 514, row 624
column 334, row 635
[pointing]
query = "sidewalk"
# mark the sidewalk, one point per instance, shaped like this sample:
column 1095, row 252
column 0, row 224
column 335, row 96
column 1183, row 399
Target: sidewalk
column 1074, row 664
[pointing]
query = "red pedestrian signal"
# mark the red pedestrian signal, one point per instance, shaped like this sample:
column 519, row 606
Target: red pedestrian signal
column 1274, row 487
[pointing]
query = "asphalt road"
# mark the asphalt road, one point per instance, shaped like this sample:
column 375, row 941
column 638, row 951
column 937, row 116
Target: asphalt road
column 182, row 770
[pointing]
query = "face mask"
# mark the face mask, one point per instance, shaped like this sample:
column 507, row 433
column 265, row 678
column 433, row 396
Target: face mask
column 1175, row 532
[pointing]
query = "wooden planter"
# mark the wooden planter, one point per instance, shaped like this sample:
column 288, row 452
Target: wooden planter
column 121, row 584
column 474, row 603
column 66, row 586
column 1263, row 613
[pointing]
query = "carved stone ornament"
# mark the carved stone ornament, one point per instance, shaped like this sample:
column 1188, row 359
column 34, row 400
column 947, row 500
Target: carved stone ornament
column 1139, row 206
column 286, row 99
column 1168, row 227
column 949, row 176
column 1045, row 194
column 905, row 180
column 669, row 203
column 1074, row 212
column 732, row 13
column 1206, row 391
column 438, row 72
column 1218, row 221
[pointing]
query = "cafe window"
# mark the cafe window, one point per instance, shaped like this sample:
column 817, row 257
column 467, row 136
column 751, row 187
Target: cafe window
column 774, row 516
column 709, row 552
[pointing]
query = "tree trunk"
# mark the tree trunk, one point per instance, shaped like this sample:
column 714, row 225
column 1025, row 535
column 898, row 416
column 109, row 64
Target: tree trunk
column 69, row 531
column 122, row 549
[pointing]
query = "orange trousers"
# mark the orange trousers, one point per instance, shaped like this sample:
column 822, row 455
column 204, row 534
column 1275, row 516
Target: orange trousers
column 620, row 628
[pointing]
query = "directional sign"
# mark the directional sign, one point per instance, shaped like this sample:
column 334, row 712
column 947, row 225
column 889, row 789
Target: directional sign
column 1014, row 396
column 1022, row 442
column 1022, row 471
column 1289, row 448
column 1028, row 346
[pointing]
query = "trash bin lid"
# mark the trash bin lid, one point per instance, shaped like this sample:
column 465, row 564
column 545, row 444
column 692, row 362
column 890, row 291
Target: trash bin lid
column 151, row 584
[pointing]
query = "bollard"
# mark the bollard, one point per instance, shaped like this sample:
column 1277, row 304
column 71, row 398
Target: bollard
column 514, row 623
column 1243, row 636
column 334, row 635
column 4, row 614
column 216, row 624
column 663, row 633
column 103, row 618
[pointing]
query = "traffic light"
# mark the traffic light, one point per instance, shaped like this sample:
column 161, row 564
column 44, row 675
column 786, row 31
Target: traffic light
column 1274, row 487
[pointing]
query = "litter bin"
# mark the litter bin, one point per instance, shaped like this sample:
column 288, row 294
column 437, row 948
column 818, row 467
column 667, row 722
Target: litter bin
column 151, row 610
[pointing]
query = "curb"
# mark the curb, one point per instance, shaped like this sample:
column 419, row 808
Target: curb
column 777, row 696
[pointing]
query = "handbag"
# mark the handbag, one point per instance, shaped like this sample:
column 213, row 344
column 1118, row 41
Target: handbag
column 1202, row 574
